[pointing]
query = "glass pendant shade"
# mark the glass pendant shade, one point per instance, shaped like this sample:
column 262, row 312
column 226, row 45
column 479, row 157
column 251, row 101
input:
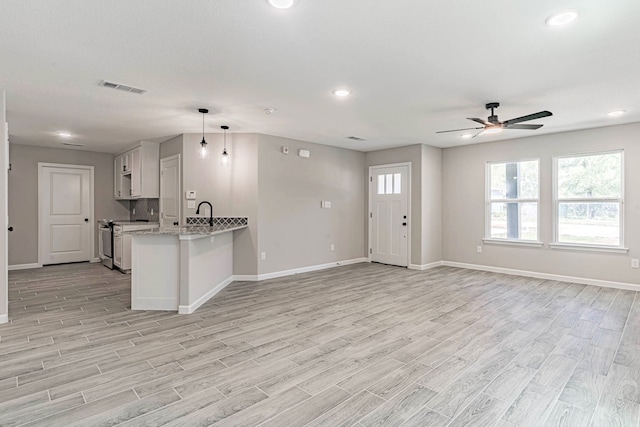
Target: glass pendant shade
column 203, row 152
column 224, row 158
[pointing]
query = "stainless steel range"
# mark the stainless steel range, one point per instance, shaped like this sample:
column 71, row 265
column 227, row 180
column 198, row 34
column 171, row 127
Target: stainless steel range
column 105, row 242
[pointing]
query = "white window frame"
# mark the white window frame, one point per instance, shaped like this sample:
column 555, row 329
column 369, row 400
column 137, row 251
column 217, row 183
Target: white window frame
column 556, row 207
column 489, row 201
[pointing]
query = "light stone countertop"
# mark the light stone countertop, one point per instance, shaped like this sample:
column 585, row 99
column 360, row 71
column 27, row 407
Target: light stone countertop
column 188, row 230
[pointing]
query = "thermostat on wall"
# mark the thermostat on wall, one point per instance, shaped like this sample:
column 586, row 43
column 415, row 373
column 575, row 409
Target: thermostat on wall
column 190, row 195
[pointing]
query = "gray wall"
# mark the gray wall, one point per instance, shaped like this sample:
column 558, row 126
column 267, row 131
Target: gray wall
column 294, row 231
column 171, row 147
column 413, row 155
column 431, row 182
column 23, row 194
column 233, row 190
column 463, row 189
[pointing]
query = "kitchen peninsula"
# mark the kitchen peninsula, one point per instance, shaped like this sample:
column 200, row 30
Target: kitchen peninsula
column 179, row 268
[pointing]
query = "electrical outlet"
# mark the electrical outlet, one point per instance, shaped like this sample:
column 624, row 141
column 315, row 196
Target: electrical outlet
column 207, row 211
column 134, row 211
column 333, row 248
column 635, row 263
column 478, row 249
column 263, row 256
column 151, row 211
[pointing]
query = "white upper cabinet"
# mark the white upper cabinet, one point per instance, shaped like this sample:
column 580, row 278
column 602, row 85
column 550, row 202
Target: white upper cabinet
column 137, row 172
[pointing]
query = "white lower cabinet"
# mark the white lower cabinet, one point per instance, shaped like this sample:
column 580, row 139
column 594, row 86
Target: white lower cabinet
column 122, row 243
column 117, row 250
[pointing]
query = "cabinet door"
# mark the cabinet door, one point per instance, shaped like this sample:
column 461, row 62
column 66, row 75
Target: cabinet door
column 126, row 252
column 125, row 163
column 136, row 171
column 117, row 250
column 116, row 180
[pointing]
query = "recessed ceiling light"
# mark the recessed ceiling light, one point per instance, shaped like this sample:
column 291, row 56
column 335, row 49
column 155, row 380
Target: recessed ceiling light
column 282, row 4
column 341, row 92
column 616, row 113
column 562, row 18
column 466, row 136
column 64, row 134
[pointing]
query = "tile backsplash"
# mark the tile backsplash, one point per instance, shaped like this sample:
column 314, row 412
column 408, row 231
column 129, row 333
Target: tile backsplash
column 143, row 208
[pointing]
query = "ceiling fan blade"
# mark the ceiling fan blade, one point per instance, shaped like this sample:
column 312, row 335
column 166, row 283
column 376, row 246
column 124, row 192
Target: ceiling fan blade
column 477, row 133
column 528, row 117
column 475, row 119
column 457, row 130
column 528, row 127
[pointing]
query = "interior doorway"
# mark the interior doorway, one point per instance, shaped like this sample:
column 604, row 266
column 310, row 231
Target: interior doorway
column 170, row 190
column 66, row 223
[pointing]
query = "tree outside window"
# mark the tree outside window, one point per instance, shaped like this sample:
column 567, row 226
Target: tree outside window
column 589, row 198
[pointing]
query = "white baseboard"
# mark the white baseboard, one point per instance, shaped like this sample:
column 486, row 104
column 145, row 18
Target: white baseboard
column 426, row 266
column 24, row 266
column 188, row 309
column 4, row 318
column 545, row 276
column 276, row 274
column 95, row 260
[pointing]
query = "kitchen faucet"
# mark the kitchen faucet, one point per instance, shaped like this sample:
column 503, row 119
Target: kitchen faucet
column 210, row 210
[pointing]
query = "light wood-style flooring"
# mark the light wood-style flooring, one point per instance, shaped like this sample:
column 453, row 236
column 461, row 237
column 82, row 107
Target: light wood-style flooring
column 364, row 345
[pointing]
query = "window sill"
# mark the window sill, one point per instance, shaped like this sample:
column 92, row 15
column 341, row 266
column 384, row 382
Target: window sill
column 588, row 248
column 527, row 243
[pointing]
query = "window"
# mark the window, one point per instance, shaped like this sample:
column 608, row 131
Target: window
column 390, row 183
column 588, row 199
column 512, row 201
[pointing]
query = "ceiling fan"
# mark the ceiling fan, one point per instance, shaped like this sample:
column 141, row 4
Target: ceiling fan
column 493, row 125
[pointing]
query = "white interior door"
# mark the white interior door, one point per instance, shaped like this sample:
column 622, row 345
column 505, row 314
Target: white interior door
column 389, row 215
column 170, row 190
column 65, row 199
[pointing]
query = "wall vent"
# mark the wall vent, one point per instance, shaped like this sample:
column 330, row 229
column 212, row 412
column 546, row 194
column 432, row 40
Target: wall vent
column 72, row 144
column 123, row 88
column 355, row 138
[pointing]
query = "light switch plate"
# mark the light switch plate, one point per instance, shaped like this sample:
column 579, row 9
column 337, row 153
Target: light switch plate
column 190, row 195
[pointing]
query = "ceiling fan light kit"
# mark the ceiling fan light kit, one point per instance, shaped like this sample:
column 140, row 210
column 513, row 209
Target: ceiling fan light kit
column 493, row 125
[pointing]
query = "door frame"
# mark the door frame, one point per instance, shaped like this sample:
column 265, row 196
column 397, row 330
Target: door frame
column 41, row 166
column 160, row 207
column 370, row 211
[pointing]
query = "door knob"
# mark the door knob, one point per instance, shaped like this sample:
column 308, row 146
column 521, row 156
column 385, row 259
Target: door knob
column 10, row 228
column 404, row 223
column 86, row 220
column 175, row 223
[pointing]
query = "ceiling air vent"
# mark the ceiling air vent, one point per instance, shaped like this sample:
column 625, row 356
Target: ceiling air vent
column 71, row 144
column 355, row 138
column 123, row 88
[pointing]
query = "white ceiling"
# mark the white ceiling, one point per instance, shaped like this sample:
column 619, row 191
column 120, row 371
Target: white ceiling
column 414, row 66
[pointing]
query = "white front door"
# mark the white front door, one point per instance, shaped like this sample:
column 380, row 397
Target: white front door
column 170, row 190
column 389, row 214
column 65, row 198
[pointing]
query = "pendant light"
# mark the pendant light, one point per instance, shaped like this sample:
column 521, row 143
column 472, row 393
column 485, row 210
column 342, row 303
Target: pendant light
column 225, row 154
column 203, row 153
